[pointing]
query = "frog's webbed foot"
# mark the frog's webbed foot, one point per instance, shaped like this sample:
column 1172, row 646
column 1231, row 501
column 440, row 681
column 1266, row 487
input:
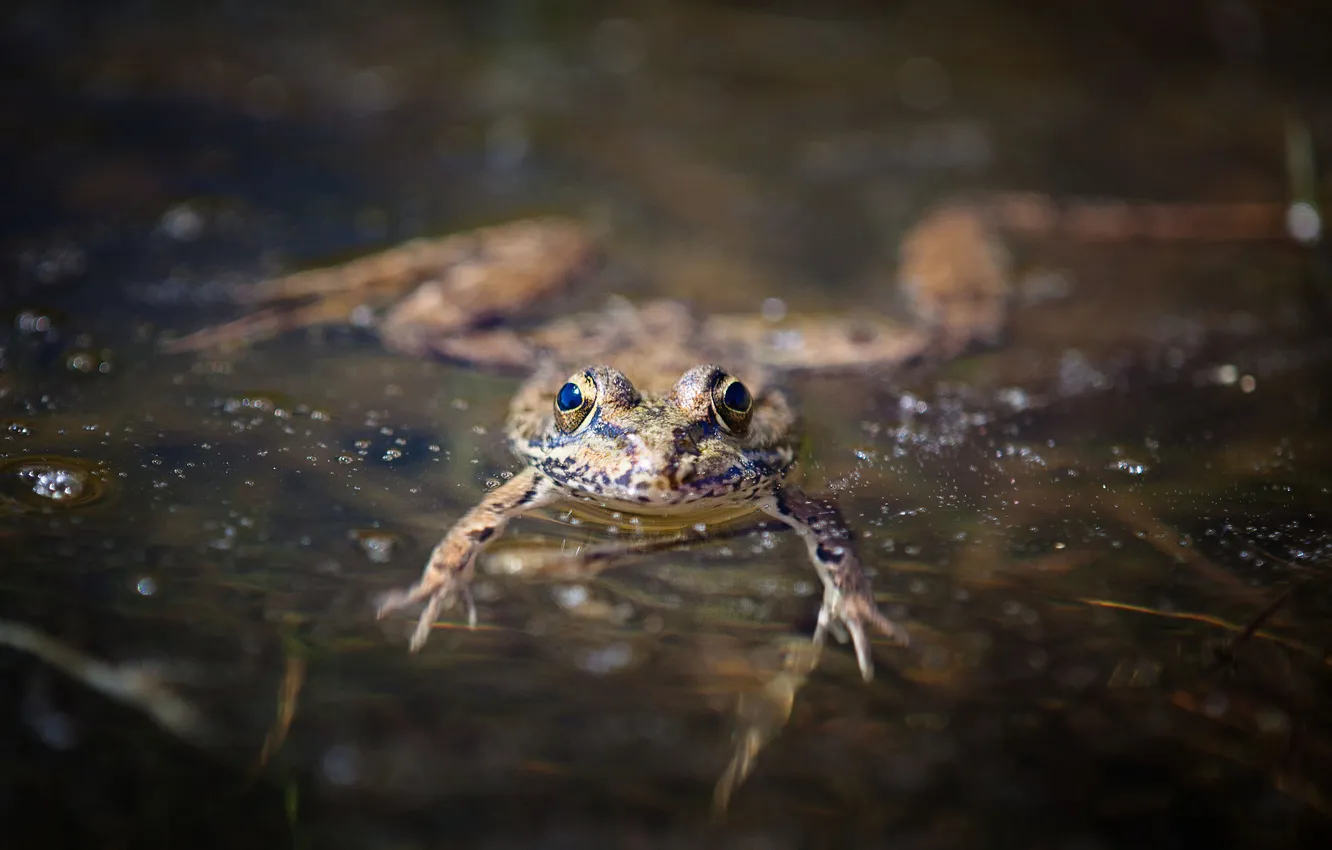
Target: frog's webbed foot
column 440, row 587
column 434, row 287
column 260, row 325
column 501, row 271
column 849, row 609
column 846, row 616
column 956, row 276
column 448, row 574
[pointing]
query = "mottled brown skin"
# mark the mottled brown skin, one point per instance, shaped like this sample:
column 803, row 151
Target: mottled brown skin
column 655, row 449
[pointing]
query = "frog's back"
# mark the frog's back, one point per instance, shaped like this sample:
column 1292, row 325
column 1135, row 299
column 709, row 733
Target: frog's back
column 653, row 343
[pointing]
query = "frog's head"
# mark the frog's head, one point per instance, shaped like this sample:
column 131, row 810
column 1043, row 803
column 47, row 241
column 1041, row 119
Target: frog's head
column 707, row 438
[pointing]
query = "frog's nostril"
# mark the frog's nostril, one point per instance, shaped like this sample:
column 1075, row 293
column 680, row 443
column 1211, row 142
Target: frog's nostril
column 686, row 443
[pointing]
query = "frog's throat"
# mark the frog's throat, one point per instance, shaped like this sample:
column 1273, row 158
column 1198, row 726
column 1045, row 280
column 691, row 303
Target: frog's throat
column 650, row 519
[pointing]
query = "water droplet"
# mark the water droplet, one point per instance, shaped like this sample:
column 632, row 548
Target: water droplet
column 341, row 764
column 570, row 596
column 773, row 309
column 1130, row 467
column 1303, row 223
column 377, row 545
column 182, row 223
column 16, row 428
column 608, row 659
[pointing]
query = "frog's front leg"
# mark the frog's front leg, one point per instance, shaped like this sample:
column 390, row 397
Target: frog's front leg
column 449, row 570
column 848, row 597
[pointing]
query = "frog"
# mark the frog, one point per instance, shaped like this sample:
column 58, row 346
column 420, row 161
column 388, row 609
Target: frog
column 701, row 446
column 656, row 410
column 648, row 410
column 678, row 419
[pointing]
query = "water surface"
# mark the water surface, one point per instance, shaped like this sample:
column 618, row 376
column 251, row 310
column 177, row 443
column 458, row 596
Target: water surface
column 1108, row 536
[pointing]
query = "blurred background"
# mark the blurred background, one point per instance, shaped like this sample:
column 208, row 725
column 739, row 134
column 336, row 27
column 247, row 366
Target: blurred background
column 1109, row 535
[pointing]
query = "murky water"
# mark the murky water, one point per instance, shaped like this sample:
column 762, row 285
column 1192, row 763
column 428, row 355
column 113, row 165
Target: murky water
column 1109, row 537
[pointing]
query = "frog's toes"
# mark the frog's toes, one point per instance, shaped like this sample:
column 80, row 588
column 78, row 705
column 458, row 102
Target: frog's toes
column 438, row 595
column 848, row 616
column 886, row 627
column 392, row 601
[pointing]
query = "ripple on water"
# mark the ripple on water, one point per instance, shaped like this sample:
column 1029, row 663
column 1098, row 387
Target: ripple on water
column 47, row 482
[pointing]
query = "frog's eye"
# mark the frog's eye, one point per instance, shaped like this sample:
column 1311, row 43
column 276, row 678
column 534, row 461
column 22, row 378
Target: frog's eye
column 733, row 404
column 574, row 402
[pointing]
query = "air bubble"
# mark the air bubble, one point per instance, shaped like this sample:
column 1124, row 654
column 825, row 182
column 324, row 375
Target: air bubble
column 43, row 482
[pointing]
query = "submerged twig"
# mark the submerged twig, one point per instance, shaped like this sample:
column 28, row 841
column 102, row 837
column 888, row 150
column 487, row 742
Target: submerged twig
column 1247, row 630
column 1270, row 608
column 133, row 687
column 1261, row 617
column 288, row 693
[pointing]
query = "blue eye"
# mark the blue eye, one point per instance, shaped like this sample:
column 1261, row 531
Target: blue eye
column 570, row 398
column 737, row 397
column 572, row 406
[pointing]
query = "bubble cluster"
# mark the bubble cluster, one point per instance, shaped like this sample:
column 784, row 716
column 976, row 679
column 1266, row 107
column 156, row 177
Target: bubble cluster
column 45, row 482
